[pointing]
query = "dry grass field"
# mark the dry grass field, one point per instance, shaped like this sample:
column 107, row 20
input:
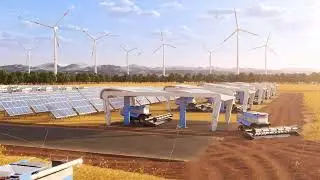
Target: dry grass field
column 311, row 93
column 311, row 129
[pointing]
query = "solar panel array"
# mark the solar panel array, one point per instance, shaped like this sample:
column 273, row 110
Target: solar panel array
column 161, row 98
column 141, row 100
column 117, row 102
column 16, row 107
column 153, row 99
column 38, row 105
column 61, row 109
column 61, row 102
column 93, row 95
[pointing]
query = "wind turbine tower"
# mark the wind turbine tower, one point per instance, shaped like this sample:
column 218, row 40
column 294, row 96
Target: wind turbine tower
column 94, row 47
column 54, row 29
column 236, row 32
column 163, row 45
column 28, row 51
column 210, row 52
column 266, row 48
column 128, row 51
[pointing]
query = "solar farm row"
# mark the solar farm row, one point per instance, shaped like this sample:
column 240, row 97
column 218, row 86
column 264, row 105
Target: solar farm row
column 63, row 104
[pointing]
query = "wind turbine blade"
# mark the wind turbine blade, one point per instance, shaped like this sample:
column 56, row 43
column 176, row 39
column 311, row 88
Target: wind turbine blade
column 133, row 49
column 258, row 47
column 229, row 37
column 105, row 35
column 63, row 16
column 248, row 32
column 92, row 51
column 123, row 48
column 89, row 35
column 236, row 17
column 40, row 24
column 157, row 49
column 169, row 45
column 273, row 51
column 269, row 36
column 20, row 44
column 58, row 41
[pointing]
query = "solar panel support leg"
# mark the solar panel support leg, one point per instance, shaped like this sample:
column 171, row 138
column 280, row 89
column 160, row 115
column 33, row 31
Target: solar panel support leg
column 126, row 110
column 228, row 110
column 107, row 110
column 183, row 110
column 215, row 113
column 241, row 97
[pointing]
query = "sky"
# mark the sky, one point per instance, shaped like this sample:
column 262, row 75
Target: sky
column 191, row 26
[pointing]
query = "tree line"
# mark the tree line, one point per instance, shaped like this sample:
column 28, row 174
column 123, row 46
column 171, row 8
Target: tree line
column 64, row 77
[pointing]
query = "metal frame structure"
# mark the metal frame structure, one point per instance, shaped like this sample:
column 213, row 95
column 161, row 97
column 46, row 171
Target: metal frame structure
column 246, row 95
column 169, row 91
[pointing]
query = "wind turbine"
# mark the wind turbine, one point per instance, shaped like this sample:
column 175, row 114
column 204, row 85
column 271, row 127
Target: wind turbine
column 54, row 28
column 162, row 45
column 210, row 52
column 94, row 46
column 128, row 51
column 236, row 32
column 28, row 51
column 266, row 48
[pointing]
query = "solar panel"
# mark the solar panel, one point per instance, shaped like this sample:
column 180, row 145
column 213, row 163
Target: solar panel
column 82, row 106
column 152, row 99
column 161, row 98
column 142, row 100
column 63, row 113
column 16, row 108
column 117, row 103
column 58, row 105
column 38, row 105
column 98, row 104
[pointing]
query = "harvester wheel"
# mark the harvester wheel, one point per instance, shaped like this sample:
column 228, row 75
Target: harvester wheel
column 241, row 128
column 141, row 118
column 253, row 125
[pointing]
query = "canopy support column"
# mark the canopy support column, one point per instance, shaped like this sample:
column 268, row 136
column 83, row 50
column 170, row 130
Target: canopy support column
column 251, row 100
column 107, row 110
column 183, row 111
column 168, row 103
column 126, row 109
column 215, row 112
column 229, row 105
column 245, row 101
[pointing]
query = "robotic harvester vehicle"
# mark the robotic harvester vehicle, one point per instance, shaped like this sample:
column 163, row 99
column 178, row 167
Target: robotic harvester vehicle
column 141, row 115
column 256, row 125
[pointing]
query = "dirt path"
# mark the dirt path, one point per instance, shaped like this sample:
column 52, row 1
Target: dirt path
column 280, row 158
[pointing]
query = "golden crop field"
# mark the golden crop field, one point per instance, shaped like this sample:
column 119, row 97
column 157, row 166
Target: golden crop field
column 311, row 129
column 311, row 93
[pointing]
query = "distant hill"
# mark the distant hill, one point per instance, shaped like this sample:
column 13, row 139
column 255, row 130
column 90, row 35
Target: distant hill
column 136, row 69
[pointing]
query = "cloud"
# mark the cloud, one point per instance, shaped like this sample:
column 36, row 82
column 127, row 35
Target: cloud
column 172, row 5
column 261, row 10
column 152, row 13
column 73, row 27
column 181, row 35
column 218, row 13
column 127, row 7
